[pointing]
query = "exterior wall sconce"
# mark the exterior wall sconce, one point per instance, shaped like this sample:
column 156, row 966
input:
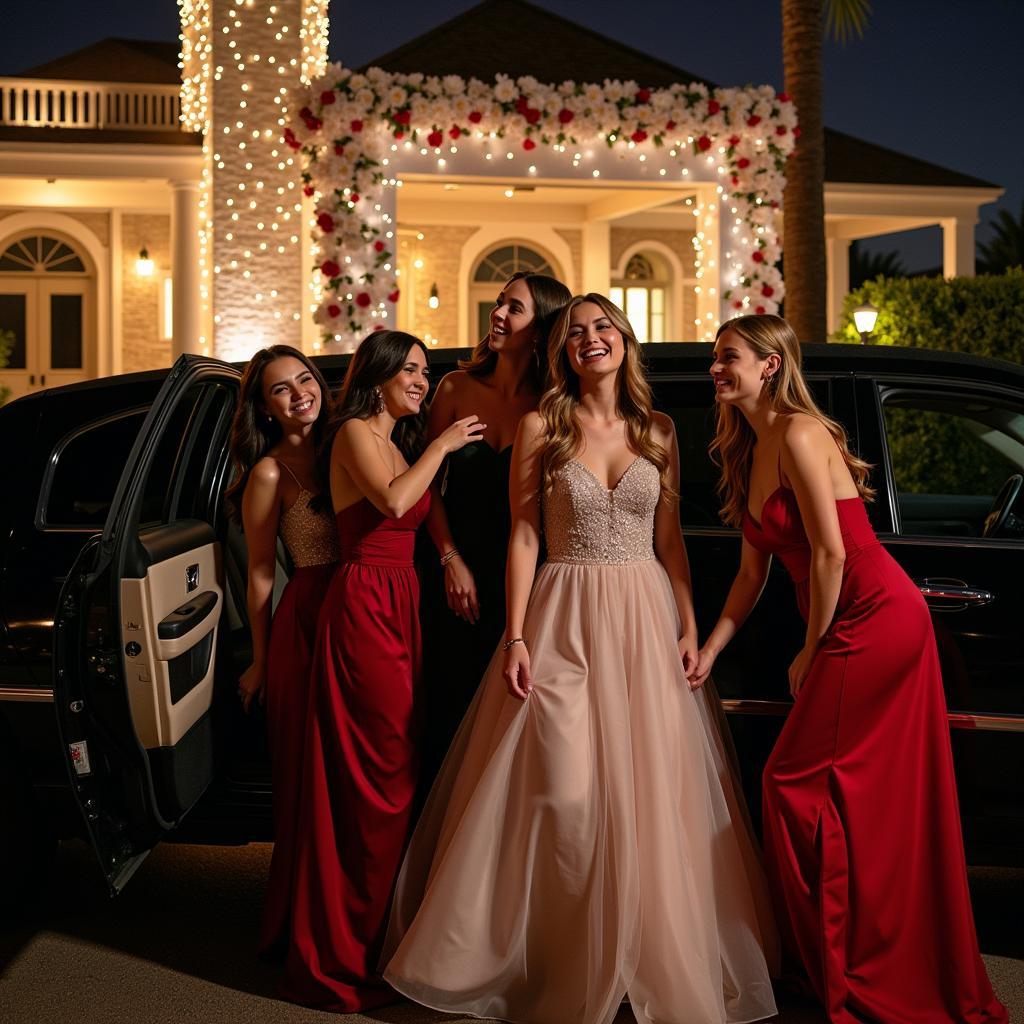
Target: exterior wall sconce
column 864, row 318
column 433, row 302
column 144, row 266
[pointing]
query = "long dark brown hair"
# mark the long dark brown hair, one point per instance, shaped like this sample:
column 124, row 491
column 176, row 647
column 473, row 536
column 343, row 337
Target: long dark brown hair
column 253, row 431
column 732, row 448
column 563, row 436
column 549, row 297
column 378, row 358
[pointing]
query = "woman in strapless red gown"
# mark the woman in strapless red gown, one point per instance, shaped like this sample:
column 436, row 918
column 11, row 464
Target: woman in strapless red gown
column 283, row 407
column 362, row 731
column 862, row 831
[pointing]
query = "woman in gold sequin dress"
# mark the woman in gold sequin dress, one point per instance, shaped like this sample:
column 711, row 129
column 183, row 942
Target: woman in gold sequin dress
column 584, row 840
column 282, row 409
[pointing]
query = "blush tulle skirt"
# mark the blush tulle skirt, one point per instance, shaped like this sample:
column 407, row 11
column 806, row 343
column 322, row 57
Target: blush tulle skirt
column 589, row 843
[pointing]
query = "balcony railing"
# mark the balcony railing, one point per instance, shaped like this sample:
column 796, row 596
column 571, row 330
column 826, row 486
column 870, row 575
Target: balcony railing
column 43, row 103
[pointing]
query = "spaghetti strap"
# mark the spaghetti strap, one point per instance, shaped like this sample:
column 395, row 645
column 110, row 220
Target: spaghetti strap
column 285, row 467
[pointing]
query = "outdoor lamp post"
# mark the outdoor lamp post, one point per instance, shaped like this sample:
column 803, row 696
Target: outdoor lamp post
column 864, row 318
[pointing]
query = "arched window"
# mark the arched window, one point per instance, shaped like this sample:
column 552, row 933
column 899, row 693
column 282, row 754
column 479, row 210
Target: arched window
column 47, row 302
column 494, row 269
column 642, row 294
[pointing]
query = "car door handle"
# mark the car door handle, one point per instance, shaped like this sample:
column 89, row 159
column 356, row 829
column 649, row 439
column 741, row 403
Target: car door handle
column 953, row 595
column 185, row 618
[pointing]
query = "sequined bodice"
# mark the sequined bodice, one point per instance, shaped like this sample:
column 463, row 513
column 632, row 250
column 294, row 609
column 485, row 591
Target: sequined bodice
column 309, row 536
column 586, row 522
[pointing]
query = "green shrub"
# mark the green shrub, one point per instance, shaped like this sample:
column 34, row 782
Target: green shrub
column 983, row 316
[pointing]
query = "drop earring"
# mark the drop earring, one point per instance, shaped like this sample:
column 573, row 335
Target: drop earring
column 377, row 401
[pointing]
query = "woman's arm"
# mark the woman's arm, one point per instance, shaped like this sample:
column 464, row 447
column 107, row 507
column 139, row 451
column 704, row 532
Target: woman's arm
column 806, row 449
column 669, row 546
column 523, row 548
column 743, row 595
column 356, row 451
column 459, row 585
column 261, row 514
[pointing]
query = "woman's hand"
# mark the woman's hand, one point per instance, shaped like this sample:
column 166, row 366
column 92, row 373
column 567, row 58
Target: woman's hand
column 460, row 588
column 688, row 654
column 705, row 660
column 461, row 433
column 252, row 684
column 518, row 677
column 800, row 668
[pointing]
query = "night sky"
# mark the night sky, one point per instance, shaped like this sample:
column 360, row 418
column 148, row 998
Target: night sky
column 942, row 81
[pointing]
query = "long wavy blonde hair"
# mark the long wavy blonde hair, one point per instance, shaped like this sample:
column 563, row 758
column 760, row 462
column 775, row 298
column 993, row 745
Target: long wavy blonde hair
column 563, row 436
column 733, row 445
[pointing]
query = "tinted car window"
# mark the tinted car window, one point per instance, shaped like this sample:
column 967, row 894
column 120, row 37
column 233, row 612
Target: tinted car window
column 950, row 454
column 84, row 469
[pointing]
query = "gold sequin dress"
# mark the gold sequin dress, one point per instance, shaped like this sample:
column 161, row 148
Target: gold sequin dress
column 588, row 843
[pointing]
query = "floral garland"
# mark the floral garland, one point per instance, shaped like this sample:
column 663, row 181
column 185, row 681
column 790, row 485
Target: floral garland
column 348, row 122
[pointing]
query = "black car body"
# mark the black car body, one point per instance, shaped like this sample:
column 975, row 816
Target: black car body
column 122, row 592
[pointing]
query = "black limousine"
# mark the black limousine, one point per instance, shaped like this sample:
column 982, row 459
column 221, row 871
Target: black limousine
column 122, row 594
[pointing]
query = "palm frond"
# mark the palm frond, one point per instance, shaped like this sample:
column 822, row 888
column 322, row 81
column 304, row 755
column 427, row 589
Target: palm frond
column 845, row 19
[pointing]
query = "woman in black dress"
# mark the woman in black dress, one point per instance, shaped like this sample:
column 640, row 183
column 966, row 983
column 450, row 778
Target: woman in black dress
column 469, row 514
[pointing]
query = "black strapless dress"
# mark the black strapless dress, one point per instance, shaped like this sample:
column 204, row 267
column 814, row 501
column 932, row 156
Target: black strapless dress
column 456, row 654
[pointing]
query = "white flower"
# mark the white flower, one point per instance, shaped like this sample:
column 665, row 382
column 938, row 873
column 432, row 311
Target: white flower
column 432, row 85
column 528, row 84
column 377, row 76
column 397, row 96
column 567, row 88
column 461, row 108
column 612, row 90
column 357, row 81
column 453, row 85
column 414, row 79
column 364, row 97
column 504, row 90
column 593, row 93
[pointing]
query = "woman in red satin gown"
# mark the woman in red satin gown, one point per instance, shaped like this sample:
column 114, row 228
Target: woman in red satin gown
column 862, row 830
column 283, row 407
column 361, row 742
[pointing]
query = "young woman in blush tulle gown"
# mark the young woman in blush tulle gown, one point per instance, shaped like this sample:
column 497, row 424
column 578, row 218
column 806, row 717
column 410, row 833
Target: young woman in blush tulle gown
column 469, row 517
column 282, row 409
column 583, row 841
column 862, row 833
column 362, row 733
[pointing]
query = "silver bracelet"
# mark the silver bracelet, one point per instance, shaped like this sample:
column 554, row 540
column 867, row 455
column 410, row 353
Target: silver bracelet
column 511, row 643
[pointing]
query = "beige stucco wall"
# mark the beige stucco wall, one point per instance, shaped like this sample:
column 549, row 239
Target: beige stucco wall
column 142, row 348
column 574, row 239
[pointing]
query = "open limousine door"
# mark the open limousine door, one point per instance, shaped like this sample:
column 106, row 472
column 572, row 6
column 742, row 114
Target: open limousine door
column 137, row 622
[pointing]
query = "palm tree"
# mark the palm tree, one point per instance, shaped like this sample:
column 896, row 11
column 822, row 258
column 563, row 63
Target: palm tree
column 804, row 199
column 1006, row 247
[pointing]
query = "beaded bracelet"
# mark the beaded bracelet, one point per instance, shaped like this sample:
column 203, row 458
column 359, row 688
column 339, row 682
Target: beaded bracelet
column 511, row 643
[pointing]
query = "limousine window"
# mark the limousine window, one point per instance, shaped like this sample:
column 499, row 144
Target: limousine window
column 83, row 472
column 950, row 455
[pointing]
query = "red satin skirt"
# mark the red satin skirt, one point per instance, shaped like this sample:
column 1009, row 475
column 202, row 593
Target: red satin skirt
column 862, row 830
column 359, row 783
column 289, row 663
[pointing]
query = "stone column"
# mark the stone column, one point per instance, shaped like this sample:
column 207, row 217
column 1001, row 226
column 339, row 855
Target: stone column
column 837, row 256
column 595, row 272
column 958, row 247
column 186, row 312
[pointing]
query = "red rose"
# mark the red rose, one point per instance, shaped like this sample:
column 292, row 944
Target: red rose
column 333, row 310
column 363, row 299
column 757, row 256
column 356, row 125
column 327, row 97
column 294, row 143
column 767, row 291
column 305, row 113
column 393, row 296
column 781, row 130
column 325, row 222
column 714, row 106
column 734, row 140
column 330, row 269
column 435, row 139
column 308, row 190
column 403, row 116
column 378, row 245
column 796, row 132
column 703, row 143
column 737, row 304
column 399, row 135
column 735, row 180
column 754, row 120
column 339, row 149
column 522, row 105
column 643, row 95
column 529, row 144
column 455, row 132
column 742, row 162
column 378, row 327
column 759, row 310
column 669, row 125
column 289, row 136
column 565, row 115
column 639, row 135
column 775, row 204
column 532, row 115
column 475, row 116
column 783, row 97
column 353, row 197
